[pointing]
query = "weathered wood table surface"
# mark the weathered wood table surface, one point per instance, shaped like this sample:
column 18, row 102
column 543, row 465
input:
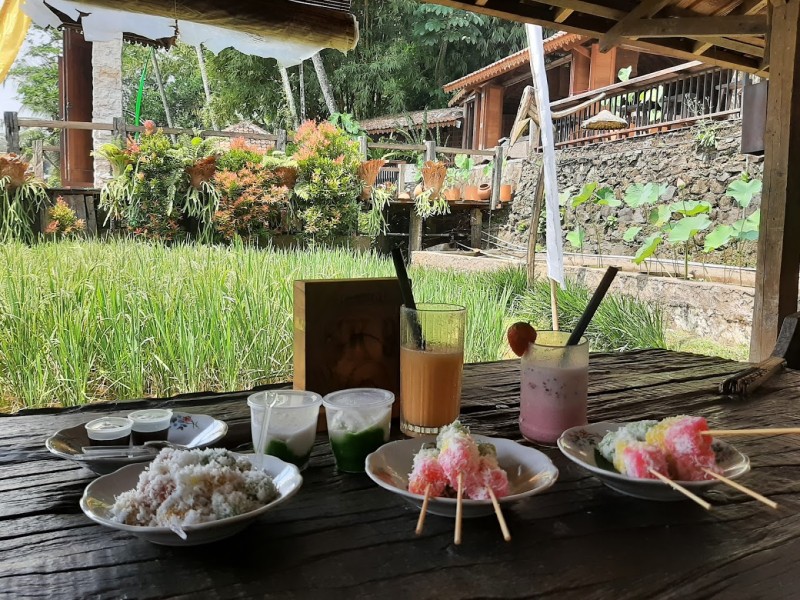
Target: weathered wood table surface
column 343, row 536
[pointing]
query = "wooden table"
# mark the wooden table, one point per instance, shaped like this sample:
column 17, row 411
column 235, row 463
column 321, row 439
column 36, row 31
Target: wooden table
column 342, row 536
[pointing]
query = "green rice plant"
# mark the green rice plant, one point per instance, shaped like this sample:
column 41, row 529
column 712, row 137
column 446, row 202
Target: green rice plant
column 621, row 322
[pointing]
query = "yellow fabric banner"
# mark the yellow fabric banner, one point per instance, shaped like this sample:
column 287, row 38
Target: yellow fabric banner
column 14, row 25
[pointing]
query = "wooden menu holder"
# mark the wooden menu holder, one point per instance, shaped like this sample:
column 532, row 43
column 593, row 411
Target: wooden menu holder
column 347, row 335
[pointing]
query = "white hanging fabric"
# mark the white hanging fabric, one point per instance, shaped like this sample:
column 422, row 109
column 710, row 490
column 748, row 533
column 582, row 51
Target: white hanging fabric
column 555, row 243
column 104, row 24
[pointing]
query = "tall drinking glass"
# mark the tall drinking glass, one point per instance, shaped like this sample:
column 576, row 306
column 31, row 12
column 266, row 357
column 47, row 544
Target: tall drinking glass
column 554, row 386
column 431, row 363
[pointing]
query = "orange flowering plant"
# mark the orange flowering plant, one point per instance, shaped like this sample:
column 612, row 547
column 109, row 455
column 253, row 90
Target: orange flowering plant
column 328, row 186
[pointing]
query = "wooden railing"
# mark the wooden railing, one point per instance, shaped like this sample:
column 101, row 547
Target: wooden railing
column 660, row 101
column 12, row 124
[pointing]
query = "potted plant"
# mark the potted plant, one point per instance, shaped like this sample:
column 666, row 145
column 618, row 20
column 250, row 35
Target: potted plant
column 21, row 198
column 464, row 165
column 485, row 189
column 452, row 183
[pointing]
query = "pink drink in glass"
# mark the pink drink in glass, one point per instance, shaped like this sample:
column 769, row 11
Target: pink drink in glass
column 554, row 387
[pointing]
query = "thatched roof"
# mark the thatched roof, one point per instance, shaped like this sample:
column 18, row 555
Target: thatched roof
column 437, row 117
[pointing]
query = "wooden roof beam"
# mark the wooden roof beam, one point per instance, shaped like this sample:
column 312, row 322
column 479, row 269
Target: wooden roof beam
column 562, row 14
column 748, row 7
column 643, row 10
column 694, row 27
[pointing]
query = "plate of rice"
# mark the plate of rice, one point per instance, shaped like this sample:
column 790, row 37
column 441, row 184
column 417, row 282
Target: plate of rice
column 190, row 497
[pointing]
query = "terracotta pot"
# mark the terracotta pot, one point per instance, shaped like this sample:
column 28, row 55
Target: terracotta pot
column 470, row 193
column 404, row 196
column 452, row 194
column 484, row 191
column 505, row 192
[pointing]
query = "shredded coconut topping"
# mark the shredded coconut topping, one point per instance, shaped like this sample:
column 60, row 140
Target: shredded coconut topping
column 186, row 487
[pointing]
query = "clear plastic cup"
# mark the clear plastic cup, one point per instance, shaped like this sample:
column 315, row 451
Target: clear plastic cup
column 149, row 425
column 283, row 423
column 109, row 431
column 359, row 421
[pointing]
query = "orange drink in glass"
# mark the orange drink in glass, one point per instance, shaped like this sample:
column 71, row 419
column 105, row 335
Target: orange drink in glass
column 431, row 365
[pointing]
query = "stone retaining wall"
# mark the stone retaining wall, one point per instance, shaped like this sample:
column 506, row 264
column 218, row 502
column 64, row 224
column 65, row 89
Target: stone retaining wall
column 715, row 311
column 674, row 158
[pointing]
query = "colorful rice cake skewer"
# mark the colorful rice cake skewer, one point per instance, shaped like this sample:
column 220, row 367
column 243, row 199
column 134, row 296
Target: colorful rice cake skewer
column 427, row 471
column 640, row 459
column 458, row 454
column 490, row 476
column 688, row 451
column 632, row 432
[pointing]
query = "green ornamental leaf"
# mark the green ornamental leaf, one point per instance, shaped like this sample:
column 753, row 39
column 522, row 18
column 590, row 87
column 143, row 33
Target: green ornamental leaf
column 625, row 73
column 743, row 191
column 638, row 194
column 576, row 237
column 606, row 197
column 648, row 248
column 659, row 215
column 687, row 228
column 690, row 208
column 747, row 229
column 584, row 195
column 630, row 234
column 563, row 198
column 718, row 237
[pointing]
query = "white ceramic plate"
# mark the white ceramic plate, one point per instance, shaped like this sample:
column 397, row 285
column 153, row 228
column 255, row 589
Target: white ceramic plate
column 99, row 496
column 529, row 472
column 579, row 444
column 186, row 429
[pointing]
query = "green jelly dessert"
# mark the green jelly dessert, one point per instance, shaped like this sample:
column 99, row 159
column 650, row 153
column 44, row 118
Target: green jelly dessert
column 279, row 449
column 351, row 449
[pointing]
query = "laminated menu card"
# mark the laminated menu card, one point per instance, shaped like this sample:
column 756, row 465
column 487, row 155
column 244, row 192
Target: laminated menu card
column 347, row 334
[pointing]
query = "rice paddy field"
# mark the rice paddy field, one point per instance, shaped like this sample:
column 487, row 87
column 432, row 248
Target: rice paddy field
column 85, row 321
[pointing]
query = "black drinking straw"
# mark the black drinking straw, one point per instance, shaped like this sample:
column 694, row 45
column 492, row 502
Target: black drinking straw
column 407, row 295
column 591, row 308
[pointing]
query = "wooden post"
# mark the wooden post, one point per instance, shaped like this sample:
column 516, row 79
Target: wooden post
column 38, row 159
column 363, row 148
column 415, row 223
column 401, row 179
column 533, row 230
column 280, row 143
column 778, row 259
column 497, row 175
column 119, row 128
column 476, row 226
column 11, row 125
column 430, row 150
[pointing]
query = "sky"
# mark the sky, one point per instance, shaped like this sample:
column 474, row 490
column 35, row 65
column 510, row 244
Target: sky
column 8, row 89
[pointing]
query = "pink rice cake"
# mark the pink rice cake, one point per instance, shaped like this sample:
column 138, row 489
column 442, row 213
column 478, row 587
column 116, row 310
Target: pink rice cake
column 458, row 454
column 688, row 450
column 427, row 470
column 636, row 459
column 488, row 476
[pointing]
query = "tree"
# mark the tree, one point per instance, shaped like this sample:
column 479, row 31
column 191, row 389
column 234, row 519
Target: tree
column 36, row 73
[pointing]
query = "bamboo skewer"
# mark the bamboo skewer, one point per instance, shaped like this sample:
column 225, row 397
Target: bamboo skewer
column 763, row 431
column 457, row 536
column 500, row 518
column 679, row 488
column 423, row 510
column 741, row 488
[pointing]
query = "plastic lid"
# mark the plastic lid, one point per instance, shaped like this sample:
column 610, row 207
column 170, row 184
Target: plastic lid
column 108, row 428
column 284, row 399
column 358, row 398
column 151, row 419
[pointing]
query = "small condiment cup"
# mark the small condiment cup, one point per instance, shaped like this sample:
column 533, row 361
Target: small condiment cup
column 109, row 431
column 359, row 421
column 284, row 423
column 150, row 424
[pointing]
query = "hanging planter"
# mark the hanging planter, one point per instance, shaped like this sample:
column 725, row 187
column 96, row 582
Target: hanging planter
column 202, row 171
column 433, row 176
column 368, row 173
